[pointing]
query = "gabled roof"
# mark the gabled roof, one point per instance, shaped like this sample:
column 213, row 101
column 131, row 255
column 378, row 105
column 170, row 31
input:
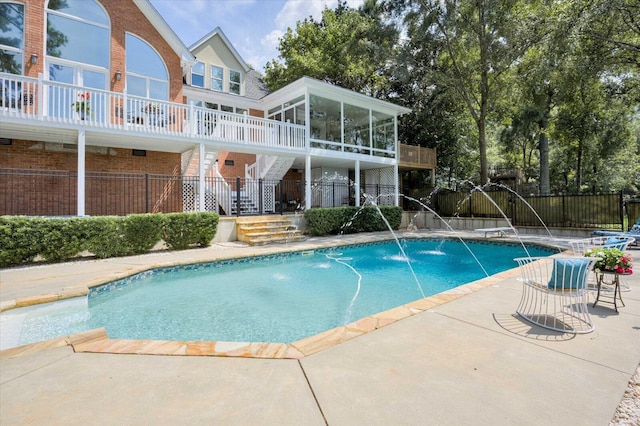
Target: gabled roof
column 254, row 86
column 225, row 40
column 186, row 58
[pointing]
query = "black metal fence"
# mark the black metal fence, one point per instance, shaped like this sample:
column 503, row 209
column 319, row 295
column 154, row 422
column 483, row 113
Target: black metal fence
column 564, row 211
column 54, row 193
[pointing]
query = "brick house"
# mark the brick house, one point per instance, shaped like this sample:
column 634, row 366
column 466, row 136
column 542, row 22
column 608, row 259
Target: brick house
column 113, row 114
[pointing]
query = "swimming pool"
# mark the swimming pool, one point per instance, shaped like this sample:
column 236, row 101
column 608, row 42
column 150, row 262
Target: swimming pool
column 278, row 298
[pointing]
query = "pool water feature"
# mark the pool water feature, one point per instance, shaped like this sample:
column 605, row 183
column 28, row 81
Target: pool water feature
column 277, row 298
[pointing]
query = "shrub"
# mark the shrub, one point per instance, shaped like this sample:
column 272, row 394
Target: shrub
column 349, row 220
column 20, row 240
column 106, row 237
column 143, row 231
column 185, row 230
column 64, row 238
column 60, row 239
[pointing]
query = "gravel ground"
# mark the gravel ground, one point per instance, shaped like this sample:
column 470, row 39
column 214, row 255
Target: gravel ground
column 628, row 413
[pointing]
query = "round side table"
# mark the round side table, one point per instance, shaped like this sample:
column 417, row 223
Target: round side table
column 613, row 279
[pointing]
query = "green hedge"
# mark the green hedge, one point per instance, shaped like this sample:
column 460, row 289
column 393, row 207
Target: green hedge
column 181, row 231
column 350, row 220
column 61, row 239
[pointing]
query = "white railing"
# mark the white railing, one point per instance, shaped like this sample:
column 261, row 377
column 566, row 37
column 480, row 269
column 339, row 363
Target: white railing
column 43, row 100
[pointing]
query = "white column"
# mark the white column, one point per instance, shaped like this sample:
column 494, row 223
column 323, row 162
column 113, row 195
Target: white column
column 396, row 178
column 357, row 183
column 307, row 182
column 81, row 171
column 201, row 188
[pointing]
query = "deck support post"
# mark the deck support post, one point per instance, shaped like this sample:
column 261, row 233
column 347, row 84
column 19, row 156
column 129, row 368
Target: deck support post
column 307, row 182
column 357, row 183
column 201, row 188
column 81, row 172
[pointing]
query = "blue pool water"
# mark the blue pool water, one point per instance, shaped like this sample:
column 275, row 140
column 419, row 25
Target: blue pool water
column 279, row 298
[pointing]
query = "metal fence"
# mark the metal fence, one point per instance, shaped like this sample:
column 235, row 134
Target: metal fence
column 54, row 193
column 564, row 211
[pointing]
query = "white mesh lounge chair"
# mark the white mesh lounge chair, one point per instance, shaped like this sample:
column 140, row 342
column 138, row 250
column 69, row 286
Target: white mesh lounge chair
column 580, row 247
column 554, row 293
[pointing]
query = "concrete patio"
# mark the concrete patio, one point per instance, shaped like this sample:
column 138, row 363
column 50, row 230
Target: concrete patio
column 471, row 360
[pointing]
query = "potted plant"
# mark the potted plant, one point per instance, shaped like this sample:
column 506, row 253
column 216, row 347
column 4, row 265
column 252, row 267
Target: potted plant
column 611, row 260
column 82, row 106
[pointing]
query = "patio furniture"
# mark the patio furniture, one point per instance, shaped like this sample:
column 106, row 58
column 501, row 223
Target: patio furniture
column 634, row 232
column 580, row 247
column 614, row 281
column 554, row 292
column 499, row 232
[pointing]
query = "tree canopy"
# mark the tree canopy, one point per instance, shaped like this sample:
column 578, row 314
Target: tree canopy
column 551, row 87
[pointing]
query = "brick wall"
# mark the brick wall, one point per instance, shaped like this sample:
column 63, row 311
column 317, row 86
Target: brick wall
column 132, row 186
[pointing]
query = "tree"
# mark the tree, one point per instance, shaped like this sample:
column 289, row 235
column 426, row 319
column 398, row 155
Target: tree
column 347, row 47
column 481, row 40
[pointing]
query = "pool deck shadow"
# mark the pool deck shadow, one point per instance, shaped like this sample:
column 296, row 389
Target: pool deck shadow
column 466, row 358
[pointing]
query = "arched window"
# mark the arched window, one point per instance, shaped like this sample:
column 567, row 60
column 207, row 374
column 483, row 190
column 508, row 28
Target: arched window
column 11, row 37
column 147, row 74
column 78, row 40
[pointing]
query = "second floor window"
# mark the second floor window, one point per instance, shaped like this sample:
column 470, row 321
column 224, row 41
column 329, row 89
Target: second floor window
column 234, row 82
column 147, row 74
column 216, row 78
column 11, row 37
column 78, row 32
column 197, row 74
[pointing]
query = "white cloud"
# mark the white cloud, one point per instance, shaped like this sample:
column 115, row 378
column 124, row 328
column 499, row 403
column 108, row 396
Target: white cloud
column 298, row 10
column 270, row 41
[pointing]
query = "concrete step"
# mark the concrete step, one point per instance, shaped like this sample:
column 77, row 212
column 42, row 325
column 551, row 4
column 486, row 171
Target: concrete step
column 267, row 240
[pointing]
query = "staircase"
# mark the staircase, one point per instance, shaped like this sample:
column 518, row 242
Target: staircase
column 263, row 230
column 247, row 205
column 190, row 161
column 269, row 167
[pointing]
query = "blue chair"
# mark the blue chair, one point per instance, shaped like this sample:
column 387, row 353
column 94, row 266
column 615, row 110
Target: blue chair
column 554, row 292
column 634, row 232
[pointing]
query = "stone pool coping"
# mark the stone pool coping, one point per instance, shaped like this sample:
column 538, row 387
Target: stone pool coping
column 97, row 341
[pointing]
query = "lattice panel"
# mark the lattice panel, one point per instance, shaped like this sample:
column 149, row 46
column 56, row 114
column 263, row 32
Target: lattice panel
column 268, row 198
column 189, row 197
column 380, row 183
column 388, row 192
column 210, row 201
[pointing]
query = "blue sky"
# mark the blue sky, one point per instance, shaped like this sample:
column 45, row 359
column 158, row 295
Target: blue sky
column 252, row 26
